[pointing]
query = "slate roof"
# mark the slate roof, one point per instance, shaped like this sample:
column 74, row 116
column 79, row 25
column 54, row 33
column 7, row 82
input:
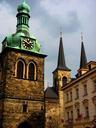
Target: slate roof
column 83, row 59
column 50, row 93
column 61, row 57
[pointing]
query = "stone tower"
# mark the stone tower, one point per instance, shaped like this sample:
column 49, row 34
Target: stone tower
column 61, row 76
column 21, row 77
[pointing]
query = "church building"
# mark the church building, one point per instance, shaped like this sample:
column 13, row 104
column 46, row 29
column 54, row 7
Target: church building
column 69, row 103
column 21, row 75
column 54, row 99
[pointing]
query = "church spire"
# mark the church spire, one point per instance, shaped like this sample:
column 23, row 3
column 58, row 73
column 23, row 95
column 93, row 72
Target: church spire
column 61, row 57
column 83, row 59
column 23, row 17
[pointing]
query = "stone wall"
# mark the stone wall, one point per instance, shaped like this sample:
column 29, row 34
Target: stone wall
column 13, row 115
column 18, row 91
column 52, row 113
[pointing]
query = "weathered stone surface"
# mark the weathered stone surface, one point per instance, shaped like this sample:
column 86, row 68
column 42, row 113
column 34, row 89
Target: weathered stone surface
column 14, row 92
column 52, row 113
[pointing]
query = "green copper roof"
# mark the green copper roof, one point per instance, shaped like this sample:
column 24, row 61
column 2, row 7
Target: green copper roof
column 22, row 36
column 15, row 41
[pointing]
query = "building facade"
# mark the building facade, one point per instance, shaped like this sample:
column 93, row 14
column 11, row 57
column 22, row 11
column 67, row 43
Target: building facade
column 80, row 98
column 76, row 100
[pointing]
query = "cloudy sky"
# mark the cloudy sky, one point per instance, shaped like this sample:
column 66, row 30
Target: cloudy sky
column 47, row 17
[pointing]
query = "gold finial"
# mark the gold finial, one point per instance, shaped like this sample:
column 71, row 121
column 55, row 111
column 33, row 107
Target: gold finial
column 81, row 36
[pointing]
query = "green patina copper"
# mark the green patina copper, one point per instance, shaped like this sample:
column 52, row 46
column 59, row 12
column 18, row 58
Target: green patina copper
column 24, row 7
column 22, row 32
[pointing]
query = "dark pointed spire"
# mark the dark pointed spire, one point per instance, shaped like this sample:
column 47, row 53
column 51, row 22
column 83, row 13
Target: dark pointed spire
column 83, row 59
column 61, row 57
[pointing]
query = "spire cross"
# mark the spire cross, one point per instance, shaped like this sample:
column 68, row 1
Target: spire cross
column 60, row 31
column 81, row 36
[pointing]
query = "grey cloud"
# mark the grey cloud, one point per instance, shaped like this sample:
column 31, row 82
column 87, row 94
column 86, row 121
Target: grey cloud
column 53, row 23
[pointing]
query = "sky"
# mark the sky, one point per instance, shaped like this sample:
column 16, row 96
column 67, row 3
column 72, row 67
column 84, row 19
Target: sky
column 47, row 19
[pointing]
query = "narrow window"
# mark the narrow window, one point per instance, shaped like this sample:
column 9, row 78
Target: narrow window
column 85, row 89
column 77, row 93
column 20, row 20
column 72, row 115
column 67, row 95
column 86, row 111
column 24, row 20
column 78, row 113
column 25, row 107
column 56, row 85
column 67, row 115
column 71, row 96
column 31, row 72
column 64, row 80
column 20, row 68
column 89, row 67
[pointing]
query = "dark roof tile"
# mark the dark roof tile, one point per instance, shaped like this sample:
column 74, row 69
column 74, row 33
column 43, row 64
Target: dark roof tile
column 50, row 93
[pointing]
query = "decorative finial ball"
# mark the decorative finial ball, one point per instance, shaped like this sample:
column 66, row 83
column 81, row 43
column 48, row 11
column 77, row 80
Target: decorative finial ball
column 23, row 7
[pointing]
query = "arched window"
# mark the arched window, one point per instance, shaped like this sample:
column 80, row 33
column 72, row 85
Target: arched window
column 32, row 71
column 64, row 80
column 20, row 69
column 56, row 84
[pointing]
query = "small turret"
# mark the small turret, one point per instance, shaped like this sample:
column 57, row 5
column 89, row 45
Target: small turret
column 62, row 74
column 22, row 39
column 23, row 17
